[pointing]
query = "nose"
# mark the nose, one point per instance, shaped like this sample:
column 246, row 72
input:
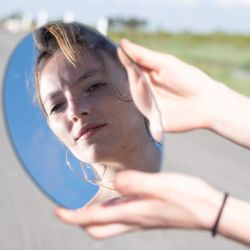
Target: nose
column 77, row 110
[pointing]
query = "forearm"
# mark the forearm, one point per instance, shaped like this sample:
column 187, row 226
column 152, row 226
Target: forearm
column 235, row 221
column 231, row 116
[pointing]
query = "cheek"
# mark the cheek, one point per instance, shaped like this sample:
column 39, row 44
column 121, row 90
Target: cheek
column 126, row 117
column 61, row 130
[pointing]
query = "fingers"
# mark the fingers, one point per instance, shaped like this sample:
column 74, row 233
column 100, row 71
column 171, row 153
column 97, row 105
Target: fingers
column 92, row 215
column 99, row 214
column 141, row 80
column 142, row 56
column 130, row 212
column 138, row 87
column 123, row 56
column 110, row 230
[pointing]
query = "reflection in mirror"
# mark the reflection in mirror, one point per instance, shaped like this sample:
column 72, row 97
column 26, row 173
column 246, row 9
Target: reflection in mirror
column 71, row 117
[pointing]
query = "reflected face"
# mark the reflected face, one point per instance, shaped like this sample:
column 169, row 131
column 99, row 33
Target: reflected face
column 83, row 109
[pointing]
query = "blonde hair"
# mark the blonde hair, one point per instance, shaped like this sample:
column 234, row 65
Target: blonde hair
column 66, row 39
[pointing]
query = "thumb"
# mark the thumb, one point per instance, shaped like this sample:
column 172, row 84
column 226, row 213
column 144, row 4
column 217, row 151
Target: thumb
column 134, row 182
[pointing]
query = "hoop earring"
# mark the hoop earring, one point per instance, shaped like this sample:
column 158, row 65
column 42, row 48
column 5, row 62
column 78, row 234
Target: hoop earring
column 87, row 172
column 84, row 170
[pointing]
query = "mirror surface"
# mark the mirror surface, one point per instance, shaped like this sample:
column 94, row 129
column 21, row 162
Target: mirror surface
column 70, row 115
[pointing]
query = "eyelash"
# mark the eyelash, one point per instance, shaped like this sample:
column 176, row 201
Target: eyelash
column 56, row 108
column 93, row 87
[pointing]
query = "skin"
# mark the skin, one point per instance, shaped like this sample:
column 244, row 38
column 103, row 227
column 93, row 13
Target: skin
column 74, row 96
column 188, row 99
column 162, row 200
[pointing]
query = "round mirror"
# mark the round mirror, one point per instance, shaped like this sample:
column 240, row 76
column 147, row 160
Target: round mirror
column 70, row 114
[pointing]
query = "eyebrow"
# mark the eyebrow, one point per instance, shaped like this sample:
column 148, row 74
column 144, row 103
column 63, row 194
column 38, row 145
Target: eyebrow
column 86, row 75
column 81, row 78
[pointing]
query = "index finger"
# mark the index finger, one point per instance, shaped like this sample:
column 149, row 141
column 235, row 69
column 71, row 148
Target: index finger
column 100, row 214
column 142, row 56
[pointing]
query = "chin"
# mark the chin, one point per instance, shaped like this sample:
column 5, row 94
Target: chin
column 95, row 155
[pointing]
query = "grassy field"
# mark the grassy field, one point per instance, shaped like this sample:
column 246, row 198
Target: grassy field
column 224, row 57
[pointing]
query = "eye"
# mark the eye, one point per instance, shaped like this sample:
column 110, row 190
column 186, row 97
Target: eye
column 95, row 87
column 56, row 108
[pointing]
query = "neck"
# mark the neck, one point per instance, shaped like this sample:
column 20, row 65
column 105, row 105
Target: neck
column 143, row 157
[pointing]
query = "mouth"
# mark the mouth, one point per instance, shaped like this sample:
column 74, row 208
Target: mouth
column 89, row 130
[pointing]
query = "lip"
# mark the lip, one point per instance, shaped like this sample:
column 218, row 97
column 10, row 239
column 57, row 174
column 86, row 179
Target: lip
column 89, row 130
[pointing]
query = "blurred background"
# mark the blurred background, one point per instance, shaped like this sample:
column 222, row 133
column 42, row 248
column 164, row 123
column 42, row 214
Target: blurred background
column 211, row 34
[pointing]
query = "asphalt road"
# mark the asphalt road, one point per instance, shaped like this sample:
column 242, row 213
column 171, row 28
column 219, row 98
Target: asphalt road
column 26, row 215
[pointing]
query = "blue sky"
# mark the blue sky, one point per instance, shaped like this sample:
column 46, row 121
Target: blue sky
column 175, row 15
column 40, row 153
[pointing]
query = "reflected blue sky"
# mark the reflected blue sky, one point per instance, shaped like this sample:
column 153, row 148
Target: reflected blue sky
column 41, row 154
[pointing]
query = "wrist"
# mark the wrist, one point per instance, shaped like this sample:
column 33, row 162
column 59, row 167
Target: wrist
column 228, row 116
column 214, row 229
column 219, row 99
column 234, row 223
column 208, row 213
column 210, row 104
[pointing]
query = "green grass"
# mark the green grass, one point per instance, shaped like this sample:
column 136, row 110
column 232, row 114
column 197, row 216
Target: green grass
column 223, row 57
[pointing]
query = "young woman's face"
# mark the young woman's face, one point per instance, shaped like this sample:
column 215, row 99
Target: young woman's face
column 83, row 110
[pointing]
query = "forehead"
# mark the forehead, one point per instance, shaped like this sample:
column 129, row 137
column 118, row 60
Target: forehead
column 58, row 71
column 58, row 66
